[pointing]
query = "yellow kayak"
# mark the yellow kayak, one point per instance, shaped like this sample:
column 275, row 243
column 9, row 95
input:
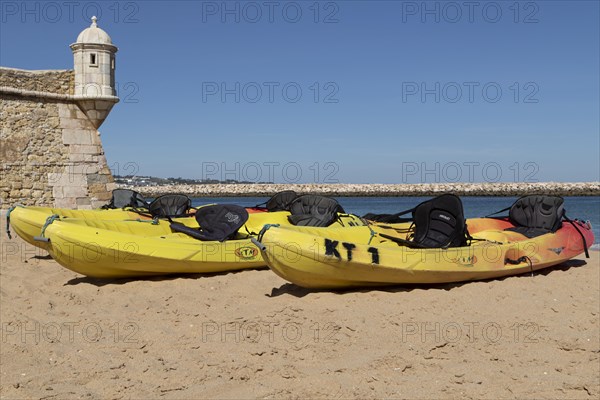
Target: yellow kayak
column 114, row 249
column 27, row 222
column 361, row 256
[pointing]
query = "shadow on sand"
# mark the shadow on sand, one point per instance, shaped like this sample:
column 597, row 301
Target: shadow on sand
column 99, row 282
column 298, row 291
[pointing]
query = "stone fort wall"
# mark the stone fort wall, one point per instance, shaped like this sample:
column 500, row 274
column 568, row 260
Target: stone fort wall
column 50, row 152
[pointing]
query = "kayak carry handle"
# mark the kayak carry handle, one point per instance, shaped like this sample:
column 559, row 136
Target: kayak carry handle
column 258, row 244
column 42, row 237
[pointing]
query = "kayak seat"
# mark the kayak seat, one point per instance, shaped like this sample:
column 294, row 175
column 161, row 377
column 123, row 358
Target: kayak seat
column 281, row 201
column 437, row 223
column 122, row 198
column 170, row 206
column 314, row 210
column 440, row 222
column 536, row 215
column 217, row 222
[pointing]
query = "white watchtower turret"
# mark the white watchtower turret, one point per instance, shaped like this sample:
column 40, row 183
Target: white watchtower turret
column 94, row 59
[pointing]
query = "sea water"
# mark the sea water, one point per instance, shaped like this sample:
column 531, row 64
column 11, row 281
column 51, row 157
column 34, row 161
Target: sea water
column 584, row 208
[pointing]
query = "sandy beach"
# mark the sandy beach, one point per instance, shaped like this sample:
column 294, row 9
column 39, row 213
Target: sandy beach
column 252, row 335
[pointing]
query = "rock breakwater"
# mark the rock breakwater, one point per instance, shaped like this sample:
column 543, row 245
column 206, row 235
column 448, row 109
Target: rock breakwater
column 372, row 190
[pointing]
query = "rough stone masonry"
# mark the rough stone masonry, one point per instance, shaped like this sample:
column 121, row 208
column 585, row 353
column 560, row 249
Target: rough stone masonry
column 50, row 148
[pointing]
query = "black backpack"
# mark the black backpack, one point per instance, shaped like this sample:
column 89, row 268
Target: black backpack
column 122, row 198
column 217, row 222
column 437, row 223
column 170, row 206
column 314, row 210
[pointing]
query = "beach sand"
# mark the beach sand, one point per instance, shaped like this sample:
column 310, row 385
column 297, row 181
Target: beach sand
column 252, row 335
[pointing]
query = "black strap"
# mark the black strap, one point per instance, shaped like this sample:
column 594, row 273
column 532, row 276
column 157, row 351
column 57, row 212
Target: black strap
column 260, row 205
column 412, row 244
column 519, row 261
column 404, row 242
column 585, row 247
column 179, row 227
column 409, row 232
column 8, row 224
column 399, row 230
column 515, row 262
column 249, row 232
column 498, row 212
column 470, row 238
column 404, row 213
column 141, row 211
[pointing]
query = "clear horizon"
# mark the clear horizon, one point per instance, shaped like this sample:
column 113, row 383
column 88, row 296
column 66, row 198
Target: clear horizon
column 337, row 92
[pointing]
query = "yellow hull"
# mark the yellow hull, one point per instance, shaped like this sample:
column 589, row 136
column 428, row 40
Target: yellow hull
column 358, row 256
column 117, row 249
column 27, row 222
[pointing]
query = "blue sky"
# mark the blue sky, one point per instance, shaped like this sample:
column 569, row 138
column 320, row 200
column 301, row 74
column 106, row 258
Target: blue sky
column 348, row 91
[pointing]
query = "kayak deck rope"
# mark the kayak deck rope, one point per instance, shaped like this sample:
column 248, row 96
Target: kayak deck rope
column 49, row 221
column 372, row 234
column 258, row 241
column 265, row 228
